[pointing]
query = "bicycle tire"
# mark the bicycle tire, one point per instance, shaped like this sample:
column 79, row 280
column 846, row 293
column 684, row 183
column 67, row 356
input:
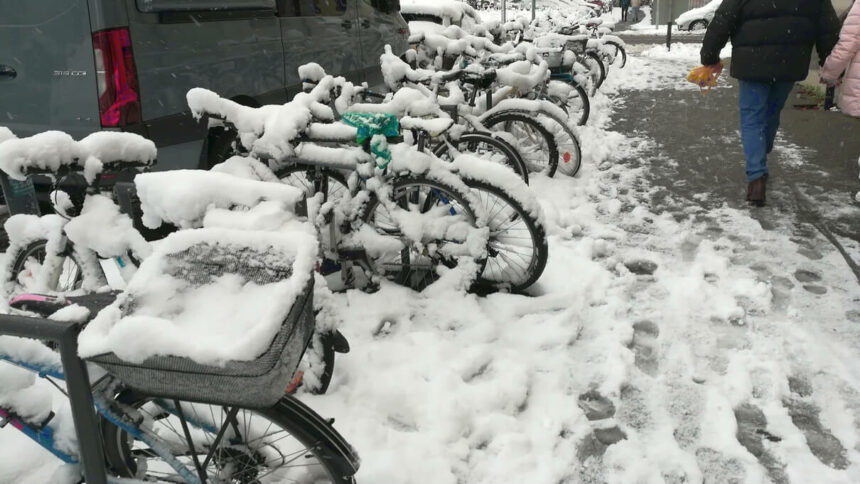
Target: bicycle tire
column 508, row 118
column 601, row 67
column 566, row 141
column 336, row 457
column 313, row 180
column 497, row 218
column 584, row 100
column 400, row 272
column 619, row 49
column 467, row 141
column 38, row 249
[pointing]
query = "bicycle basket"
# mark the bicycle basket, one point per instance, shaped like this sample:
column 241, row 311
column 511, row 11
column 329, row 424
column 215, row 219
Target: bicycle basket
column 275, row 275
column 576, row 46
column 553, row 57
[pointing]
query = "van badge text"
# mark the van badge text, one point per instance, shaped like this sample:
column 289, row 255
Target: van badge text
column 70, row 73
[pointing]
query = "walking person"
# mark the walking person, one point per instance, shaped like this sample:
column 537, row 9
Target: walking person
column 772, row 45
column 845, row 57
column 635, row 4
column 625, row 5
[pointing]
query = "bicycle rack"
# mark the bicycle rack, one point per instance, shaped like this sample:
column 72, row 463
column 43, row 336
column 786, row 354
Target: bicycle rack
column 77, row 382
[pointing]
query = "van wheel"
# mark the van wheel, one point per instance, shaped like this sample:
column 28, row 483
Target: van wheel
column 699, row 25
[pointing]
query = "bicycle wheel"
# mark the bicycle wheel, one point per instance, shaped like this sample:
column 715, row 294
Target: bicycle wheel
column 575, row 102
column 569, row 151
column 518, row 248
column 619, row 53
column 416, row 265
column 535, row 144
column 488, row 147
column 315, row 180
column 288, row 442
column 32, row 270
column 597, row 68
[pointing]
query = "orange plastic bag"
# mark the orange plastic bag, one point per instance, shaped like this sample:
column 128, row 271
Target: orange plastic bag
column 705, row 76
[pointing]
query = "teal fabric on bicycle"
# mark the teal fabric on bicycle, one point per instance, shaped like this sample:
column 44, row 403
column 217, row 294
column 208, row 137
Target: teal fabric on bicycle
column 370, row 125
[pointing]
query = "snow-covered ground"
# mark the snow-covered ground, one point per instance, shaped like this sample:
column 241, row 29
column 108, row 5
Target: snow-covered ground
column 652, row 350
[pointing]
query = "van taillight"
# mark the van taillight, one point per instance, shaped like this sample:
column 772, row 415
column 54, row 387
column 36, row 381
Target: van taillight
column 119, row 101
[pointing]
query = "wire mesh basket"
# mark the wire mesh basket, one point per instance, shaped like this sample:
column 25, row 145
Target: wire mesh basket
column 553, row 57
column 260, row 382
column 576, row 46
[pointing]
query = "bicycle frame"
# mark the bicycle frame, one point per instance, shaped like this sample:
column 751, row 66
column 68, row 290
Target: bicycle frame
column 78, row 386
column 83, row 398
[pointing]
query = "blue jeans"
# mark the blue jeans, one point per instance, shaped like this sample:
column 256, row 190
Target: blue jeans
column 760, row 104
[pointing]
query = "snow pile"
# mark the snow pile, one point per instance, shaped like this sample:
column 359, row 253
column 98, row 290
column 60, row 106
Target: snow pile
column 6, row 134
column 51, row 150
column 46, row 151
column 175, row 306
column 183, row 197
column 523, row 75
column 101, row 227
column 269, row 130
column 448, row 10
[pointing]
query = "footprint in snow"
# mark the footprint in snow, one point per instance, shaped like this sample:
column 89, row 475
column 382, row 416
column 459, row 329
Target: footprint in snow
column 644, row 346
column 814, row 289
column 810, row 253
column 806, row 276
column 853, row 316
column 751, row 433
column 823, row 444
column 800, row 385
column 633, row 411
column 641, row 267
column 718, row 469
column 594, row 445
column 686, row 405
column 596, row 406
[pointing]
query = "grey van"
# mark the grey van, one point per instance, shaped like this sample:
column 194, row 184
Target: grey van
column 84, row 65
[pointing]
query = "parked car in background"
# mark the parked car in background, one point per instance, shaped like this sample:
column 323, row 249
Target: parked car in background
column 81, row 66
column 698, row 18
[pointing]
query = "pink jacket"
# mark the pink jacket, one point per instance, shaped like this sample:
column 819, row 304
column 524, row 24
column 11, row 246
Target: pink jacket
column 846, row 57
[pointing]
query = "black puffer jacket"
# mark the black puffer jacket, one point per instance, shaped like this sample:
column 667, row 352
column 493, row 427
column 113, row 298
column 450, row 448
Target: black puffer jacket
column 772, row 40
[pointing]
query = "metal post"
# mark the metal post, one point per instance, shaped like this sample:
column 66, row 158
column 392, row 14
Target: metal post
column 504, row 11
column 83, row 413
column 534, row 2
column 77, row 385
column 669, row 22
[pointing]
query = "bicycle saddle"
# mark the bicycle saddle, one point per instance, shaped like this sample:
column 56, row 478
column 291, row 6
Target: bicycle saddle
column 593, row 22
column 481, row 80
column 46, row 305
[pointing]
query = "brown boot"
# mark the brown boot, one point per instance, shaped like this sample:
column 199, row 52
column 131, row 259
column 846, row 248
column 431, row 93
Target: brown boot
column 756, row 192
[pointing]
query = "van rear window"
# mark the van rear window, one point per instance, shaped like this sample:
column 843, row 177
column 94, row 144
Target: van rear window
column 148, row 6
column 312, row 8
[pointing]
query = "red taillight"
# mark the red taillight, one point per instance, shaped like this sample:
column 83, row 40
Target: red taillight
column 119, row 101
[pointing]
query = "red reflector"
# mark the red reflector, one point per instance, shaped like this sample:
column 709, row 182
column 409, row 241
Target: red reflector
column 566, row 156
column 402, row 31
column 119, row 101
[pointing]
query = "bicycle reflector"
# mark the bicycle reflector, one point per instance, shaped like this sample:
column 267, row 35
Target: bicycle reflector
column 119, row 100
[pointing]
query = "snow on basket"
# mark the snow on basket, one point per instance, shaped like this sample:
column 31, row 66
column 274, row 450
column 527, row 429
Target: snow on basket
column 214, row 315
